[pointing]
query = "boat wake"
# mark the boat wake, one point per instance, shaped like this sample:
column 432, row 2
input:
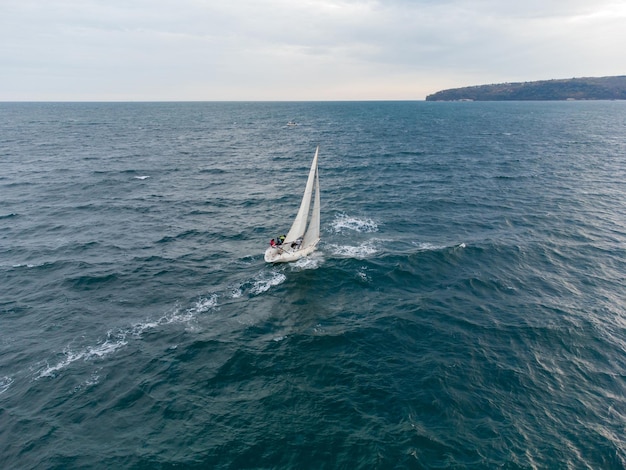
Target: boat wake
column 116, row 340
column 177, row 316
column 312, row 261
column 263, row 282
column 425, row 246
column 110, row 344
column 266, row 283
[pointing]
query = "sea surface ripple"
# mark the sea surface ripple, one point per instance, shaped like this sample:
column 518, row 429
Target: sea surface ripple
column 465, row 308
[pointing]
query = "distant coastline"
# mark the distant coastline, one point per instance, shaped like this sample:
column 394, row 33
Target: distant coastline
column 589, row 88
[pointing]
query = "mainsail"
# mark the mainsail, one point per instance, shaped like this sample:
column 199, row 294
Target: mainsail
column 305, row 230
column 312, row 234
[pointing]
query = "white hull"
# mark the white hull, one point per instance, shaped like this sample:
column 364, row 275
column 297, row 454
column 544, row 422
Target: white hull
column 285, row 255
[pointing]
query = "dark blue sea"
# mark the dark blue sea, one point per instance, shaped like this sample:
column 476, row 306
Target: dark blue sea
column 466, row 306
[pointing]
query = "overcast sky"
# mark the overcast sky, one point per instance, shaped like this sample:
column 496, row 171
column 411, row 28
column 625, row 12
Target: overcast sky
column 145, row 50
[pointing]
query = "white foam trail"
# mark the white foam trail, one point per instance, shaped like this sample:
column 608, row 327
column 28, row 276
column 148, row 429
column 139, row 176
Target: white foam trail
column 177, row 316
column 50, row 371
column 115, row 341
column 264, row 284
column 425, row 246
column 204, row 304
column 308, row 262
column 428, row 246
column 345, row 222
column 111, row 344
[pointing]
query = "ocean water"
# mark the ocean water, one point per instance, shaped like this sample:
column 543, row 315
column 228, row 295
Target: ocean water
column 466, row 307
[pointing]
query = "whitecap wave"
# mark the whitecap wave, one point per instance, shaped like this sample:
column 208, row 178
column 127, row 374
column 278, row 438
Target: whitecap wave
column 143, row 177
column 345, row 222
column 362, row 275
column 5, row 383
column 361, row 251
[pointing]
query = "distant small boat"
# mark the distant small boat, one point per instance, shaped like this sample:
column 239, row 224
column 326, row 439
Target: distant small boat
column 292, row 124
column 304, row 233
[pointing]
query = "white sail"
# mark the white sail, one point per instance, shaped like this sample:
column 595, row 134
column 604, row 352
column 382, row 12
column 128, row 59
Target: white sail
column 312, row 235
column 304, row 233
column 299, row 224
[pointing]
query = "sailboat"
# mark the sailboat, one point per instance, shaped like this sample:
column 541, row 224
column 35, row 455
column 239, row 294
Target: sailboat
column 304, row 233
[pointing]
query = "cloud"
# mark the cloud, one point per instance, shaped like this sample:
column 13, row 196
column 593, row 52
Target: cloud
column 311, row 49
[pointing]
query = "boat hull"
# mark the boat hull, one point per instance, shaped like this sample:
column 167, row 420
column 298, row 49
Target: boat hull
column 286, row 255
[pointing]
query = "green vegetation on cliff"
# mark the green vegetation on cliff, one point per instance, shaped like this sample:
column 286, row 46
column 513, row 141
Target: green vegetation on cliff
column 601, row 88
